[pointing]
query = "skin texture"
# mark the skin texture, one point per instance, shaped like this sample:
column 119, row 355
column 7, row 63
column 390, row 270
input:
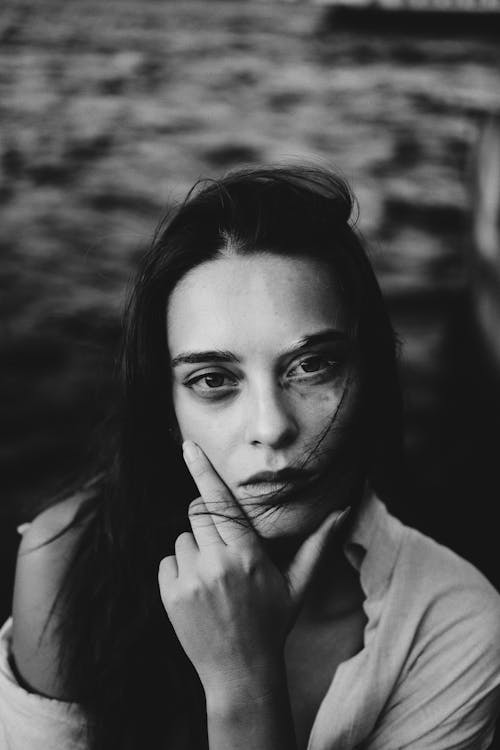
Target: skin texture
column 261, row 409
column 232, row 609
column 269, row 409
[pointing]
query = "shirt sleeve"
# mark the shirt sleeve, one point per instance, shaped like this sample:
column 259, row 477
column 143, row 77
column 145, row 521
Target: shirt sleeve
column 448, row 695
column 29, row 721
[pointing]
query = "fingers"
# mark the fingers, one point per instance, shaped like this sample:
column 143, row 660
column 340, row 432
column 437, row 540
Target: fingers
column 227, row 515
column 172, row 566
column 309, row 554
column 167, row 572
column 186, row 552
column 204, row 529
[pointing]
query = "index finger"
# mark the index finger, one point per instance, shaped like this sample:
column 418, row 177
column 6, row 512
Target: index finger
column 228, row 516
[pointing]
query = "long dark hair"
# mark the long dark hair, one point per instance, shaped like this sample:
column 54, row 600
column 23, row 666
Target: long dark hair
column 120, row 657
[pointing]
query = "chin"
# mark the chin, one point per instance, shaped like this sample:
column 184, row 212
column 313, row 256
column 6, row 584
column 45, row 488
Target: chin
column 283, row 523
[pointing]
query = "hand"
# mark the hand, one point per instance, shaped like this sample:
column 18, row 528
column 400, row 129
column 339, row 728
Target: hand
column 230, row 606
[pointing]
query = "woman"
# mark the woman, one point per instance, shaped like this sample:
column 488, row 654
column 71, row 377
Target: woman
column 256, row 593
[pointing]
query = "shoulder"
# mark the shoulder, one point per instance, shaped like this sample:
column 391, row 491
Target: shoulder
column 48, row 542
column 447, row 690
column 447, row 598
column 441, row 578
column 52, row 520
column 426, row 584
column 459, row 621
column 45, row 550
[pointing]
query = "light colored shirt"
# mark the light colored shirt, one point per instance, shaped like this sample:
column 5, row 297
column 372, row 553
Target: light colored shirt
column 427, row 677
column 29, row 721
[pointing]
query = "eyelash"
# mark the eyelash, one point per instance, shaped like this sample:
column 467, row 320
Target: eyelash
column 319, row 376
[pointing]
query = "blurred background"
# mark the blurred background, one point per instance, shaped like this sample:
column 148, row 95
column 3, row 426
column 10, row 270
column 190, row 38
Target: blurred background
column 110, row 111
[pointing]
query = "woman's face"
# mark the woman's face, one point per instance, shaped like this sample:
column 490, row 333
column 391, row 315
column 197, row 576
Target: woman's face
column 261, row 364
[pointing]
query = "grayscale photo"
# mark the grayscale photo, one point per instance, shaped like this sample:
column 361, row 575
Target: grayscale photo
column 250, row 375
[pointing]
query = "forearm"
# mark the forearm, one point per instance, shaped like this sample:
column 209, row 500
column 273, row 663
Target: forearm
column 251, row 717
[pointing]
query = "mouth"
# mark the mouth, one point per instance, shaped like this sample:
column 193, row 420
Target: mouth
column 261, row 489
column 285, row 482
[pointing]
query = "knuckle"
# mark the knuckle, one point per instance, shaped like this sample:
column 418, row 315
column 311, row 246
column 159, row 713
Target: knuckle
column 195, row 505
column 183, row 540
column 167, row 583
column 197, row 509
column 217, row 497
column 219, row 572
column 199, row 466
column 165, row 562
column 173, row 596
column 215, row 569
column 183, row 592
column 251, row 563
column 164, row 568
column 193, row 588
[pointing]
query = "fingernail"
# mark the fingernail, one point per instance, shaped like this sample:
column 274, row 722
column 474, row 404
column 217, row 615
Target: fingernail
column 190, row 450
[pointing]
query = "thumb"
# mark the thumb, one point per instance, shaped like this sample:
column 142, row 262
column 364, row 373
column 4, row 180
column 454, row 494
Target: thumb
column 307, row 557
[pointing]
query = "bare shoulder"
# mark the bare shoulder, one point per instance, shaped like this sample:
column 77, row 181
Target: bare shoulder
column 42, row 559
column 54, row 519
column 47, row 543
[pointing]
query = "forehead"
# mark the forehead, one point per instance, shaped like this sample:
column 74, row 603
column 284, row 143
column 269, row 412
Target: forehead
column 239, row 301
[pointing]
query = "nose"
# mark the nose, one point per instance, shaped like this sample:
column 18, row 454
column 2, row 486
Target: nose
column 270, row 419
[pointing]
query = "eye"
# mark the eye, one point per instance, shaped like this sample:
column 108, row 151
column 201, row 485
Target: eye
column 316, row 365
column 212, row 383
column 214, row 380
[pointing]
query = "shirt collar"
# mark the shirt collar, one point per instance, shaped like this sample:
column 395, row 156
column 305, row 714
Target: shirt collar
column 373, row 544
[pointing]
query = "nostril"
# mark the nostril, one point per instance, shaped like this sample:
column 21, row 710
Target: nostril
column 271, row 429
column 271, row 419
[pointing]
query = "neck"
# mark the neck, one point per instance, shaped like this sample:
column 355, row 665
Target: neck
column 335, row 590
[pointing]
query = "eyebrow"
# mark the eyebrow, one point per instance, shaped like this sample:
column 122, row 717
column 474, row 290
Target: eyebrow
column 328, row 336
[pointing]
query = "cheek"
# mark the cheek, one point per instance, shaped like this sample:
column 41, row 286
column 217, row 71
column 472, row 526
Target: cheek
column 193, row 422
column 211, row 434
column 326, row 415
column 315, row 411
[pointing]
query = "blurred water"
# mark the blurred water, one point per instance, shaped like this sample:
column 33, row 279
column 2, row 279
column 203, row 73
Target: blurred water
column 109, row 111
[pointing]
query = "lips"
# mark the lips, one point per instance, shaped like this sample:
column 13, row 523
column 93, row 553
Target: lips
column 270, row 482
column 259, row 489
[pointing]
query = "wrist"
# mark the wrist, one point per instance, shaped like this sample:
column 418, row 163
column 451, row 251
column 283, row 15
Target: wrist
column 257, row 686
column 251, row 714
